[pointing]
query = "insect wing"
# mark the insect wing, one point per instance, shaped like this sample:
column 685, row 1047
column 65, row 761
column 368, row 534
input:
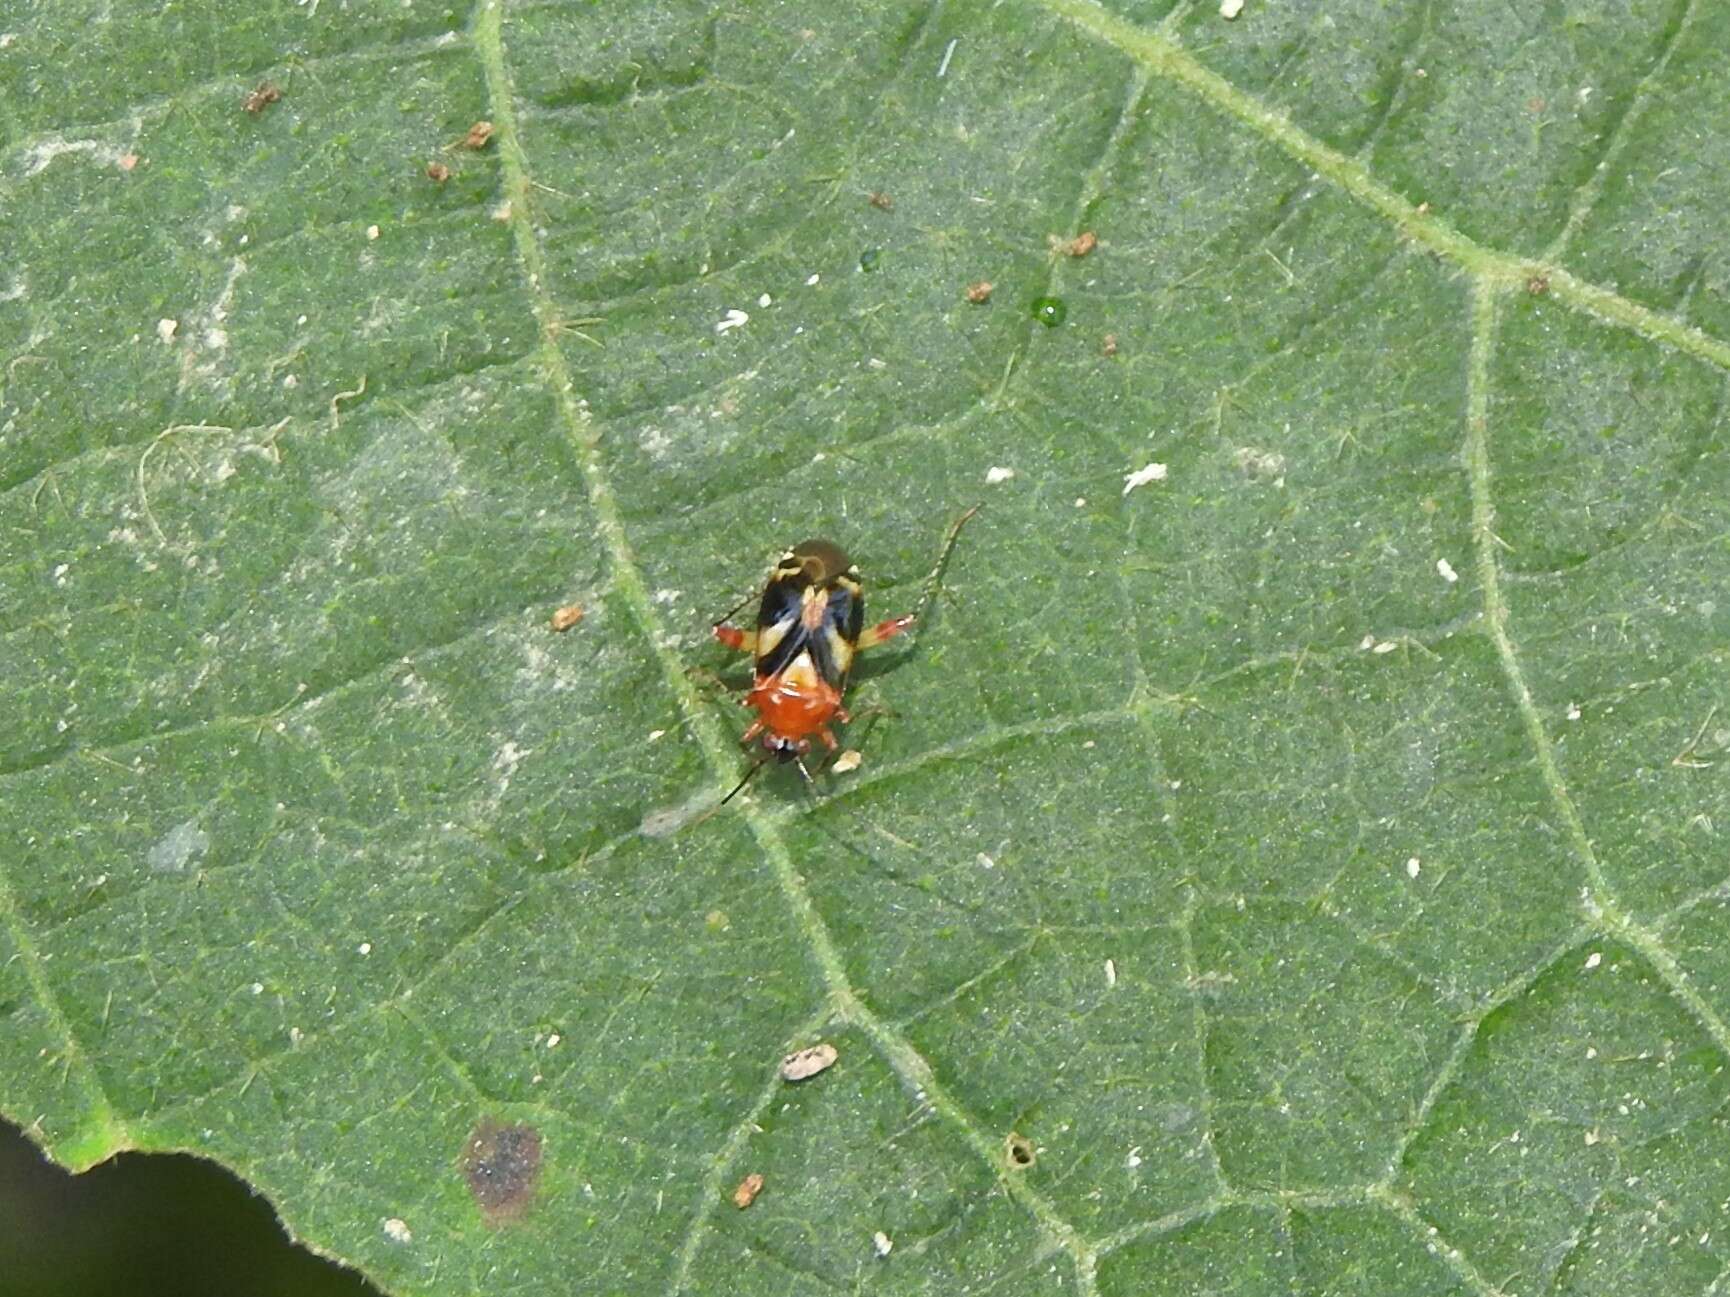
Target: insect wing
column 834, row 643
column 780, row 635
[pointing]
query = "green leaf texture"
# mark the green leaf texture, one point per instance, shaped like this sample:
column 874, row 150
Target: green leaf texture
column 1309, row 860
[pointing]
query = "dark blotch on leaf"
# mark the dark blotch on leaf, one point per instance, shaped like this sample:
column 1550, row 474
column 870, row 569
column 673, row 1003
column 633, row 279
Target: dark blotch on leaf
column 1050, row 311
column 502, row 1165
column 1019, row 1150
column 869, row 258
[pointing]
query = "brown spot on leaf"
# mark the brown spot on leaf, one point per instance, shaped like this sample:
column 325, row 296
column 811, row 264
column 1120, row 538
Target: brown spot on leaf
column 980, row 292
column 747, row 1192
column 880, row 200
column 268, row 93
column 438, row 171
column 502, row 1165
column 479, row 135
column 567, row 617
column 1019, row 1150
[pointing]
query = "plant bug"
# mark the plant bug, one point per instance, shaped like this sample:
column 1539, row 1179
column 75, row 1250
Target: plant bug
column 810, row 628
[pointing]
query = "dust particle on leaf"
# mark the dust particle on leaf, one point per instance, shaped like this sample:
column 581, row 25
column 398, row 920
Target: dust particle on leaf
column 847, row 762
column 802, row 1063
column 1079, row 246
column 1018, row 1149
column 565, row 618
column 1538, row 285
column 881, row 201
column 268, row 93
column 438, row 171
column 479, row 136
column 979, row 293
column 502, row 1165
column 747, row 1192
column 1109, row 346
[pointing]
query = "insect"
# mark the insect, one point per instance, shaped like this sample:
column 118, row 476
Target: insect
column 810, row 628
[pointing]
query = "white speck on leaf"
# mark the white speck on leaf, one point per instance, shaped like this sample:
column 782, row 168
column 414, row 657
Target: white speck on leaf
column 1134, row 1158
column 1447, row 570
column 365, row 948
column 166, row 329
column 813, row 281
column 1229, row 9
column 1111, row 972
column 177, row 848
column 765, row 300
column 804, row 1063
column 397, row 1231
column 1594, row 959
column 553, row 1040
column 1573, row 711
column 734, row 319
column 883, row 1244
column 1413, row 866
column 998, row 474
column 1386, row 646
column 1142, row 476
column 655, row 734
column 948, row 53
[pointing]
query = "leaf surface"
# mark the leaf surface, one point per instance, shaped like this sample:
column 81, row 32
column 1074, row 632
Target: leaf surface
column 1293, row 869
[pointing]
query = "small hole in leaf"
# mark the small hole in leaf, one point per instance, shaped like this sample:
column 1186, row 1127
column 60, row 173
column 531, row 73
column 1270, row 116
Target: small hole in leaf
column 1019, row 1150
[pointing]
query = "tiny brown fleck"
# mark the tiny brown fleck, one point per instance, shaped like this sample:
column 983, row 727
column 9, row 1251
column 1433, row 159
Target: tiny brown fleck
column 1019, row 1150
column 479, row 135
column 802, row 1063
column 438, row 171
column 1538, row 285
column 128, row 161
column 268, row 93
column 1109, row 346
column 747, row 1192
column 1424, row 208
column 881, row 201
column 502, row 1165
column 979, row 293
column 1079, row 246
column 567, row 617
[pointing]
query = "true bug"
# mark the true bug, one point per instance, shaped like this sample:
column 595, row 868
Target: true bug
column 810, row 627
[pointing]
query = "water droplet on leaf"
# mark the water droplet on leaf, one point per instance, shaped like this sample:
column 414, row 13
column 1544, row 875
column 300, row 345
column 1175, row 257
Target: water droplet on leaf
column 1050, row 311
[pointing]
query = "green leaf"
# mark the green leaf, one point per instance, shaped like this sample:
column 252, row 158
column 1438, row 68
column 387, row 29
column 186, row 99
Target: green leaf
column 1293, row 868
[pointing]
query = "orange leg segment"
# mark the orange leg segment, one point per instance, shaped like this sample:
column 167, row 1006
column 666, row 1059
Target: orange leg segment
column 883, row 630
column 745, row 641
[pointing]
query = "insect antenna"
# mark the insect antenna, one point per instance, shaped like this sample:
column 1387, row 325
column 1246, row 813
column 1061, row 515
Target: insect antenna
column 934, row 582
column 721, row 620
column 755, row 767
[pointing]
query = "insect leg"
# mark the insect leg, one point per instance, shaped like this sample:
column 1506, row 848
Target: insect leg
column 884, row 630
column 745, row 641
